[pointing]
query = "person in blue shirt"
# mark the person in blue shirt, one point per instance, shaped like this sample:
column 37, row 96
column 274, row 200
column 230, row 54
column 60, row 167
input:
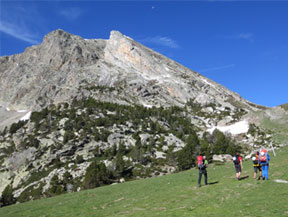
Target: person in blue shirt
column 264, row 162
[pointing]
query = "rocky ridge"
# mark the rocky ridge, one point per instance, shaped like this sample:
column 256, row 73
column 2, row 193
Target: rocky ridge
column 65, row 66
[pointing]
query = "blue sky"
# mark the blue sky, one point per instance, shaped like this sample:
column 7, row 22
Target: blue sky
column 242, row 45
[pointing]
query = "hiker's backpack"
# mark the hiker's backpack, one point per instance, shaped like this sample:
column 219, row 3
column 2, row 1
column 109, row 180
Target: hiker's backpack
column 200, row 162
column 255, row 161
column 236, row 160
column 263, row 155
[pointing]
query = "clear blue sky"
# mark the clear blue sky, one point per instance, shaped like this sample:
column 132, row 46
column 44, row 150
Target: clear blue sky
column 242, row 45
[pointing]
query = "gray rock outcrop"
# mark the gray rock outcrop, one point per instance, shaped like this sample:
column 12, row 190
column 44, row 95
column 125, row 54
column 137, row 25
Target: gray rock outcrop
column 65, row 66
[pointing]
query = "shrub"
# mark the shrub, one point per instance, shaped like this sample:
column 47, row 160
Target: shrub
column 16, row 126
column 96, row 175
column 57, row 186
column 79, row 159
column 7, row 196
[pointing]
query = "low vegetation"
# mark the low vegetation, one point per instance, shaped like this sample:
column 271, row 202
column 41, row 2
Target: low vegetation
column 175, row 195
column 120, row 142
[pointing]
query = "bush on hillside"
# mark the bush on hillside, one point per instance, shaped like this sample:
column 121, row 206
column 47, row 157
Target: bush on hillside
column 96, row 175
column 186, row 156
column 16, row 126
column 7, row 197
column 57, row 186
column 218, row 143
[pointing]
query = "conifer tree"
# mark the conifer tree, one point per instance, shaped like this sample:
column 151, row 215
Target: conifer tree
column 7, row 196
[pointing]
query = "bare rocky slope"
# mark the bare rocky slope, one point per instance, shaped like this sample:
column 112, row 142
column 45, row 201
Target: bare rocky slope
column 115, row 108
column 65, row 66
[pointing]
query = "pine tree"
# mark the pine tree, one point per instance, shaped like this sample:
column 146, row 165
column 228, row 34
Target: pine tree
column 7, row 196
column 186, row 157
column 96, row 175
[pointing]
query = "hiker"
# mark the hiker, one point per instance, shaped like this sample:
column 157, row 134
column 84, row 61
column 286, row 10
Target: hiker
column 202, row 165
column 264, row 162
column 257, row 166
column 237, row 160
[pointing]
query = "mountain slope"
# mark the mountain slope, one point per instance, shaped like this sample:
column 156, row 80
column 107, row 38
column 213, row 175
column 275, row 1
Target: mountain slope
column 175, row 195
column 65, row 66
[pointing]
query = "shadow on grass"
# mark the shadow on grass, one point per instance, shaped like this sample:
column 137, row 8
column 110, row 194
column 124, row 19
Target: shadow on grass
column 213, row 183
column 244, row 177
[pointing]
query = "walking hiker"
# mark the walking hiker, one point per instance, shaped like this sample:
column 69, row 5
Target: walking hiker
column 237, row 160
column 202, row 165
column 264, row 162
column 257, row 166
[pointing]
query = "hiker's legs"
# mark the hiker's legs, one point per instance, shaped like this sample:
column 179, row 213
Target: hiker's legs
column 255, row 172
column 199, row 179
column 267, row 174
column 264, row 172
column 238, row 175
column 238, row 171
column 206, row 178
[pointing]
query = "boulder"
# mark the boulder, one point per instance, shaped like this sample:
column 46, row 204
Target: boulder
column 222, row 157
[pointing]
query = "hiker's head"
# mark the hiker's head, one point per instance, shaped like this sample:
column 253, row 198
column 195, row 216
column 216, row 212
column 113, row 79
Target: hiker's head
column 257, row 152
column 237, row 153
column 204, row 157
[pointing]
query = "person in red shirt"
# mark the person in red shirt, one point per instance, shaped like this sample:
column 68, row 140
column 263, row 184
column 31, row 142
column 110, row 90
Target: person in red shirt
column 237, row 160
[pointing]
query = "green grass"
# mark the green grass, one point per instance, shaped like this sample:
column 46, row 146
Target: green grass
column 279, row 127
column 175, row 195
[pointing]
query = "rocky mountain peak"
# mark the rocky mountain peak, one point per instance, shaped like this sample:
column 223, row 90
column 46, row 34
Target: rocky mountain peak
column 116, row 35
column 58, row 35
column 64, row 65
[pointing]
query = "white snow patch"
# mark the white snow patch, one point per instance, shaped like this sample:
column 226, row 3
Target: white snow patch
column 7, row 109
column 147, row 106
column 21, row 111
column 234, row 129
column 26, row 117
column 281, row 181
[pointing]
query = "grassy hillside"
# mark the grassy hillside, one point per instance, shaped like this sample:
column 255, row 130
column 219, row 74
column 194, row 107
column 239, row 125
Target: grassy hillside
column 276, row 122
column 175, row 195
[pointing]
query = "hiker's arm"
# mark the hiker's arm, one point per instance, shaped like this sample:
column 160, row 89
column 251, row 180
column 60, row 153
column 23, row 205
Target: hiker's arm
column 241, row 164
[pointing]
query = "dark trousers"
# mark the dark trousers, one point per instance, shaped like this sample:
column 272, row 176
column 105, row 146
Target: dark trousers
column 200, row 176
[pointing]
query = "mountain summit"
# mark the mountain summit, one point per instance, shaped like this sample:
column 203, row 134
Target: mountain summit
column 65, row 66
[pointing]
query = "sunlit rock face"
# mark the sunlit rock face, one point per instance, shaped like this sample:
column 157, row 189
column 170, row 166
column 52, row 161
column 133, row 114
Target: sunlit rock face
column 66, row 66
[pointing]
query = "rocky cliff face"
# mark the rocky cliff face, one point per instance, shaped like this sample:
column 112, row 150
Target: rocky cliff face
column 65, row 66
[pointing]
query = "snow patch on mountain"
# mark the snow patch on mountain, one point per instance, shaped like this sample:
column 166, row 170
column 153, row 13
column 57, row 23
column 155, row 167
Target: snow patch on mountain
column 235, row 129
column 26, row 117
column 21, row 111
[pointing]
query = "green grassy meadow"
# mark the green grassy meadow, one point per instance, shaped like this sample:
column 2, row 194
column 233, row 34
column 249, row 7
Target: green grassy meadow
column 175, row 195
